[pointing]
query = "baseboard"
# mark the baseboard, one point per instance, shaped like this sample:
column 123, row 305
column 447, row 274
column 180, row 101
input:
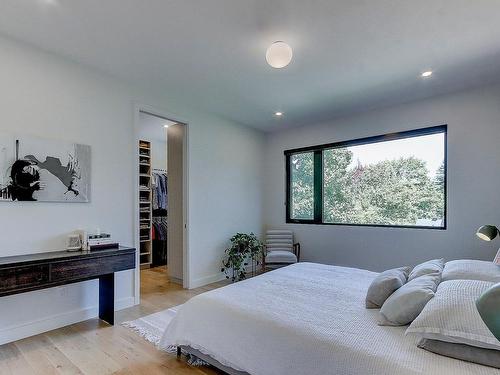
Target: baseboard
column 124, row 303
column 27, row 329
column 202, row 281
column 175, row 280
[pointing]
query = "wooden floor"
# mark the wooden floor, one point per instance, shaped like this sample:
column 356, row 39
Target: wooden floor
column 94, row 348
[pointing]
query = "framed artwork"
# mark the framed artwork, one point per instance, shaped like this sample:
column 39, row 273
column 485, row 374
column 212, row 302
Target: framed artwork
column 42, row 170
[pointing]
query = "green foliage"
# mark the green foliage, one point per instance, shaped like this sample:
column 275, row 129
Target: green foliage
column 390, row 192
column 337, row 183
column 395, row 192
column 244, row 248
column 302, row 166
column 439, row 179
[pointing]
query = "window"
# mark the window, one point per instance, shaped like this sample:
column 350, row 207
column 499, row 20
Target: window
column 394, row 180
column 302, row 180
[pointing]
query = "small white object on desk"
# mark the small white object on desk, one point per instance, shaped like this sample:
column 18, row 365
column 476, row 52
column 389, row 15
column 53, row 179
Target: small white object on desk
column 74, row 242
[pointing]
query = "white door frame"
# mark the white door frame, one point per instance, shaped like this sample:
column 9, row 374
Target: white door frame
column 139, row 107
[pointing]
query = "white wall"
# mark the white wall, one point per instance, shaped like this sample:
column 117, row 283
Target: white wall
column 47, row 96
column 473, row 120
column 159, row 154
column 226, row 195
column 151, row 128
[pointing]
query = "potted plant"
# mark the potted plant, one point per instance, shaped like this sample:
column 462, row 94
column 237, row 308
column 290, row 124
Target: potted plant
column 244, row 248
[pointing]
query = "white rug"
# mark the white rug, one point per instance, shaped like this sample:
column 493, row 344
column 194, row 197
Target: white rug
column 151, row 327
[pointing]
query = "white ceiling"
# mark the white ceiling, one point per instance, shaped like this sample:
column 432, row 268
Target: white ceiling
column 349, row 55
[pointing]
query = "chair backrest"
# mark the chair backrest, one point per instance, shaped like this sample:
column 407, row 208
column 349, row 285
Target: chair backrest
column 279, row 240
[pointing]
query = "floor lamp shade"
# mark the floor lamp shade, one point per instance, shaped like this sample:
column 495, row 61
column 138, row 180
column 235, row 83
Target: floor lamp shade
column 487, row 232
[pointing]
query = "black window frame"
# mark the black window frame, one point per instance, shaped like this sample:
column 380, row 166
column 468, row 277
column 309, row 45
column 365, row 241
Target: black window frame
column 318, row 175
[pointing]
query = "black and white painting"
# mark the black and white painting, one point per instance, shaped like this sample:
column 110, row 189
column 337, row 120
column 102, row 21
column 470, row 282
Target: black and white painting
column 41, row 170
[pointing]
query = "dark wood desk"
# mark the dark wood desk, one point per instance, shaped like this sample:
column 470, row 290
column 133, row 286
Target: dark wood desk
column 25, row 273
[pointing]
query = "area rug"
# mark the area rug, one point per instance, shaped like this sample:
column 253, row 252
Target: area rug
column 151, row 327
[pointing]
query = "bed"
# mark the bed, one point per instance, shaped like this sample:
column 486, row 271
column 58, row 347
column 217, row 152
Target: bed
column 306, row 318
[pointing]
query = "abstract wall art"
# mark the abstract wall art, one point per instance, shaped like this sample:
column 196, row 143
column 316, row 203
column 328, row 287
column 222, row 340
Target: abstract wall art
column 41, row 170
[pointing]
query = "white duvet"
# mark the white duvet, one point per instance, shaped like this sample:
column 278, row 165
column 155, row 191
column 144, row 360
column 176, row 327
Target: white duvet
column 303, row 319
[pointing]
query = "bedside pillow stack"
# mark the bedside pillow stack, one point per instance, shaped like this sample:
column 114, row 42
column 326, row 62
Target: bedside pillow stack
column 439, row 300
column 401, row 299
column 406, row 303
column 450, row 324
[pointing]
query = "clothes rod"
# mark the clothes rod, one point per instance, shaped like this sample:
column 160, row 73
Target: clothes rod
column 159, row 170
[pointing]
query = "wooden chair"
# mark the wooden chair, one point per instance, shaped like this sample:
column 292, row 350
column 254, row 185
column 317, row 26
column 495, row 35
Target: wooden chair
column 280, row 249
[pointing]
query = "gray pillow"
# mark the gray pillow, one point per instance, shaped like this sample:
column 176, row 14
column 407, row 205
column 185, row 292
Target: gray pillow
column 404, row 305
column 431, row 266
column 481, row 356
column 384, row 285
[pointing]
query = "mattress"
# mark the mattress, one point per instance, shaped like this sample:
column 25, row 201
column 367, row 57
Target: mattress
column 303, row 319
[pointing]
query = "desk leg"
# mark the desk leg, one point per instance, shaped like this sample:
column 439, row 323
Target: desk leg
column 107, row 298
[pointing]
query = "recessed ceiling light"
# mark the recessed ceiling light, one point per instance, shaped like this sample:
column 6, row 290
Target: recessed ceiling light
column 165, row 126
column 278, row 114
column 279, row 54
column 426, row 74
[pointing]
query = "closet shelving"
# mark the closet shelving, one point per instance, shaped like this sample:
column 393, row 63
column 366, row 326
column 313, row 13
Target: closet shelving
column 145, row 203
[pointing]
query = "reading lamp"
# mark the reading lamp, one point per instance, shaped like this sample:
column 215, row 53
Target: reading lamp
column 488, row 304
column 487, row 232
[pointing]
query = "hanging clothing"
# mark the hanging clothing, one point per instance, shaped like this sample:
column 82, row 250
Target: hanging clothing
column 160, row 228
column 159, row 222
column 154, row 187
column 159, row 191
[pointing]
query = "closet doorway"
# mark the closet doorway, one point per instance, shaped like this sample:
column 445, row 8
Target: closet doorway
column 161, row 206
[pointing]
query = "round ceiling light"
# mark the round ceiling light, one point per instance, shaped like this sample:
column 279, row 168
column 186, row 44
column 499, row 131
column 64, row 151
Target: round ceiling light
column 278, row 114
column 426, row 74
column 279, row 54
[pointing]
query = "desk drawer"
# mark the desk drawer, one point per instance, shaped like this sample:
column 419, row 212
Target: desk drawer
column 89, row 268
column 23, row 277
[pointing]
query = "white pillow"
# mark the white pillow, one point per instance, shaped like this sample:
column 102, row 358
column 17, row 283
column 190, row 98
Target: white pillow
column 468, row 269
column 452, row 316
column 431, row 266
